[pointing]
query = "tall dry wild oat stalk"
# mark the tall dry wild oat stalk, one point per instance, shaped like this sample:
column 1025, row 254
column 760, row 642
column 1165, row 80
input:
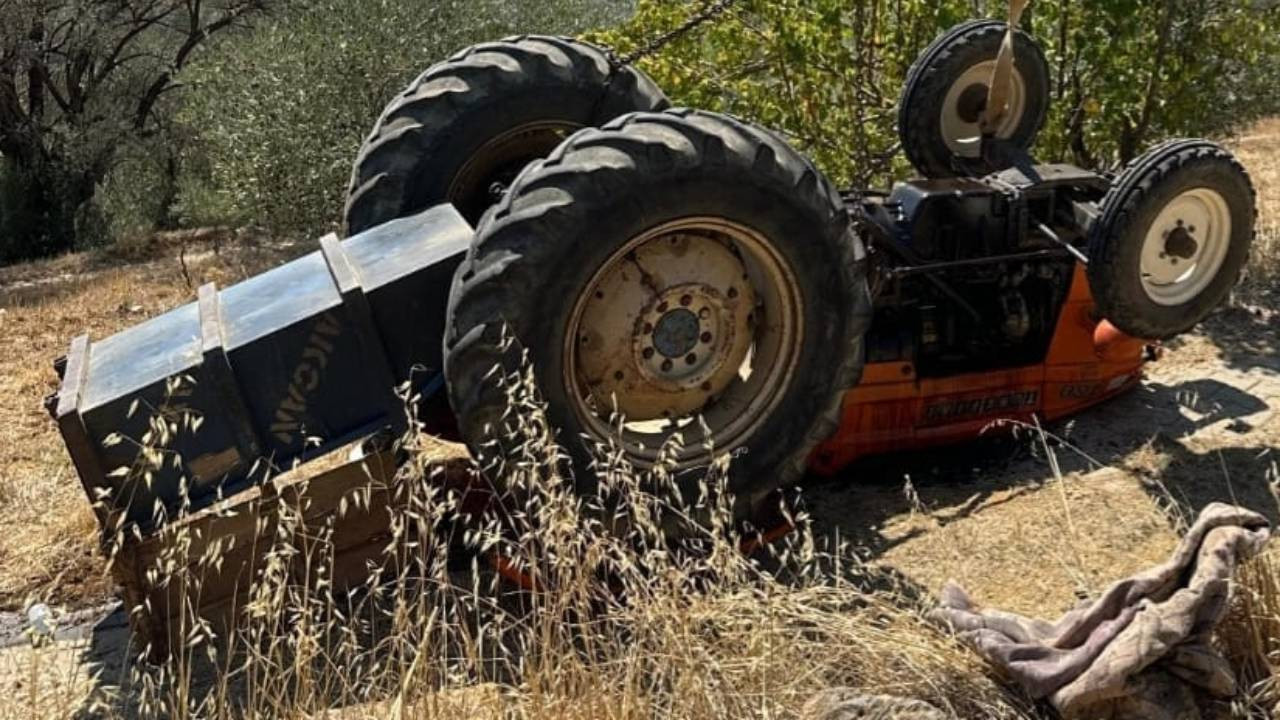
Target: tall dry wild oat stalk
column 1250, row 636
column 619, row 618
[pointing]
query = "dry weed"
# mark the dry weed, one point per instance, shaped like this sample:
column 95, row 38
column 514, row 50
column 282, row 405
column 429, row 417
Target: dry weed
column 1258, row 148
column 617, row 617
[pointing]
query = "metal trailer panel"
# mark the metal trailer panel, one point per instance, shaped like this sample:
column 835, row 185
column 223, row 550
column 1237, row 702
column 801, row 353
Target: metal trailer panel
column 255, row 378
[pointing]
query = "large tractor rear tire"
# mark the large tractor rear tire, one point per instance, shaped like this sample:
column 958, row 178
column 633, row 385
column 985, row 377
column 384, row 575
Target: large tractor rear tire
column 669, row 270
column 463, row 130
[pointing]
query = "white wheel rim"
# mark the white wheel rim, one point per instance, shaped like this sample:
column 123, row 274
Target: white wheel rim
column 960, row 124
column 1185, row 247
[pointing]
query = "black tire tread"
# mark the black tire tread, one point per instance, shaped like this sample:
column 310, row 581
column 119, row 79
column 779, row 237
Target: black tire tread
column 1139, row 178
column 387, row 160
column 502, row 266
column 926, row 77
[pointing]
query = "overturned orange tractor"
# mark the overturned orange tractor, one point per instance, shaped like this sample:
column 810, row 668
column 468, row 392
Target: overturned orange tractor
column 534, row 203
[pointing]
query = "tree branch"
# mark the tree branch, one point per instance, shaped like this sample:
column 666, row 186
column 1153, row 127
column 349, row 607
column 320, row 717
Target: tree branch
column 1132, row 138
column 141, row 24
column 196, row 35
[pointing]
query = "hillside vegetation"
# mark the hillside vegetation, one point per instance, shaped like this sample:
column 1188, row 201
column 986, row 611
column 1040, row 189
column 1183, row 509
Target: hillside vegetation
column 179, row 113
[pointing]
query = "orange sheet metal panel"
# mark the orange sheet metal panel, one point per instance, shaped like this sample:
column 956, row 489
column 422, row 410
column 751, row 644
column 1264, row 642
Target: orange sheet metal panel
column 891, row 409
column 1086, row 363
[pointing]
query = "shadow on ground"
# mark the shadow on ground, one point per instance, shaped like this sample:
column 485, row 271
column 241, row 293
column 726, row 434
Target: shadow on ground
column 1197, row 431
column 1246, row 337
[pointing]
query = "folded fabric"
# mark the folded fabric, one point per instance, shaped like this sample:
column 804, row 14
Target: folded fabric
column 1134, row 645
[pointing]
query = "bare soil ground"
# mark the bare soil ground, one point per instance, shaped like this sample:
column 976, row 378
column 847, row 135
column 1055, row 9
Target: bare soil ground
column 993, row 515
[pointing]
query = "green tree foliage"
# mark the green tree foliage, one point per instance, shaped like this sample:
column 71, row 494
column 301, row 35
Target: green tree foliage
column 79, row 80
column 282, row 110
column 1129, row 72
column 118, row 115
column 827, row 73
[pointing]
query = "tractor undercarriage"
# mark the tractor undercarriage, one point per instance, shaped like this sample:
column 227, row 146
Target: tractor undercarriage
column 971, row 273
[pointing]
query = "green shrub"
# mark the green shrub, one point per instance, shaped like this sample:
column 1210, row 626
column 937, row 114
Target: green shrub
column 827, row 73
column 282, row 109
column 139, row 192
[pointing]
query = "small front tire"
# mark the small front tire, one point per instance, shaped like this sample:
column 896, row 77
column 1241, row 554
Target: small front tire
column 1172, row 239
column 946, row 91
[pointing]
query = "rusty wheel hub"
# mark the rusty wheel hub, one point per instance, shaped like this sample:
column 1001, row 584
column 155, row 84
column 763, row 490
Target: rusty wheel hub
column 697, row 318
column 691, row 341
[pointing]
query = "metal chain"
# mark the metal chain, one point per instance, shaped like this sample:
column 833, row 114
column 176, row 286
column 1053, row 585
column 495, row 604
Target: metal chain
column 706, row 14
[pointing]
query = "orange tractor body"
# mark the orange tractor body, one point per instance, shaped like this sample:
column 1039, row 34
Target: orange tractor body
column 892, row 409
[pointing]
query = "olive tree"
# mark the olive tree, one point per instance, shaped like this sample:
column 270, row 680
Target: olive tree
column 282, row 110
column 79, row 78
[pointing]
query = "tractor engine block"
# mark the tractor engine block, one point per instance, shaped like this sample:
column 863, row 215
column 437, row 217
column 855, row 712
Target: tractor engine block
column 971, row 272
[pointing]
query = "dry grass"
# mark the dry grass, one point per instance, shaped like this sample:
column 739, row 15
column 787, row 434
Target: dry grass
column 1036, row 551
column 1259, row 149
column 616, row 623
column 1250, row 635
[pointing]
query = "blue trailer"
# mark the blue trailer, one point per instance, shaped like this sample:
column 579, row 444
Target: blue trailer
column 249, row 380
